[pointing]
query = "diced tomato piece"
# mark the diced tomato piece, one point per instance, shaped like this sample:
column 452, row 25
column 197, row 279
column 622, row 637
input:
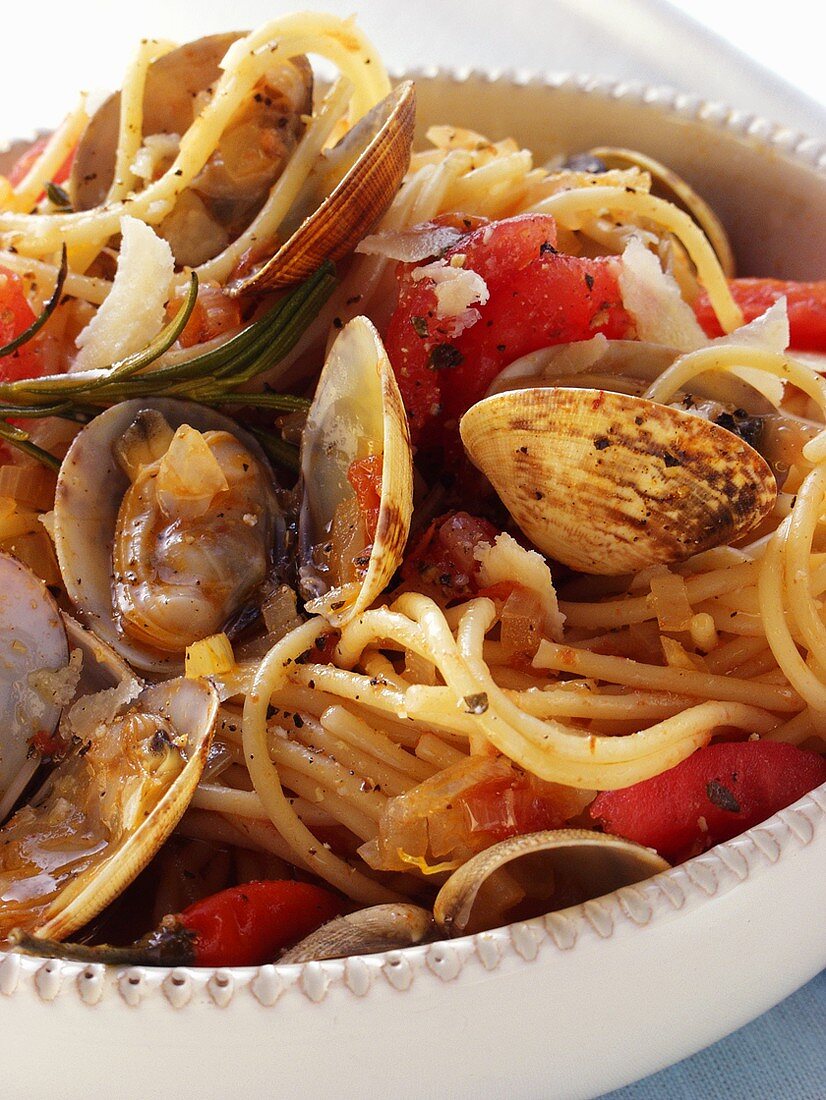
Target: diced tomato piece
column 537, row 297
column 443, row 558
column 718, row 792
column 503, row 807
column 214, row 314
column 15, row 316
column 20, row 168
column 364, row 475
column 806, row 304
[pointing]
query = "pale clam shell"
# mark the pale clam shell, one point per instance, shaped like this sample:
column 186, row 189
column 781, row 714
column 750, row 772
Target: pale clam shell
column 192, row 708
column 379, row 147
column 610, row 483
column 676, row 190
column 545, row 871
column 32, row 638
column 378, row 928
column 357, row 411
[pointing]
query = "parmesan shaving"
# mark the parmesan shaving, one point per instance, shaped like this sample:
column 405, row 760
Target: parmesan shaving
column 134, row 311
column 653, row 299
column 456, row 289
column 505, row 559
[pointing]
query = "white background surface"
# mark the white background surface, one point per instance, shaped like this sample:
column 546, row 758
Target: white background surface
column 52, row 49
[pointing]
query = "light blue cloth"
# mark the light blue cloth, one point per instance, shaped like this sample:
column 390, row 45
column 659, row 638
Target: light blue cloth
column 780, row 1056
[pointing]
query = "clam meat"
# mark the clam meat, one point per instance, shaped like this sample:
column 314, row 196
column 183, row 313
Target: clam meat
column 165, row 522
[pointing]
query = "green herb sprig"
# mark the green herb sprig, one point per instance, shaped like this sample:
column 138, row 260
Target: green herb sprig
column 212, row 378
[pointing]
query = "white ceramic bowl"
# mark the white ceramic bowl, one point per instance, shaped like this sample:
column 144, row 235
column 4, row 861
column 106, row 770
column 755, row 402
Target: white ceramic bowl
column 567, row 1006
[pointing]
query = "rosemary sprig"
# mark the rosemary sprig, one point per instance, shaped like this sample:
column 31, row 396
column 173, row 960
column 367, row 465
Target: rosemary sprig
column 19, row 438
column 212, row 378
column 49, row 308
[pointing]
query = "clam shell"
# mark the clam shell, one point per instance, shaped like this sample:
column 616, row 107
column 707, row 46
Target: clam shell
column 90, row 488
column 337, row 211
column 610, row 483
column 378, row 928
column 674, row 188
column 527, row 876
column 32, row 638
column 192, row 708
column 357, row 411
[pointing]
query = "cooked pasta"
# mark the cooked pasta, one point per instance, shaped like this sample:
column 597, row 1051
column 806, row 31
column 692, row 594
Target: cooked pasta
column 490, row 537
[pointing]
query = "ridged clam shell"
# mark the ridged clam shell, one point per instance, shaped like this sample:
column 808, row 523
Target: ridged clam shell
column 674, row 188
column 562, row 867
column 357, row 410
column 192, row 708
column 610, row 483
column 379, row 146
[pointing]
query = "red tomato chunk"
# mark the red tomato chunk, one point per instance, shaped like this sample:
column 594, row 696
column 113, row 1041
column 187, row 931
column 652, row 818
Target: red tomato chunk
column 718, row 792
column 806, row 304
column 538, row 297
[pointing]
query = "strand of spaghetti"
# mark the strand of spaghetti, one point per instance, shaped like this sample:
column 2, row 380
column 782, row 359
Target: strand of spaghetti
column 339, row 40
column 327, row 776
column 356, row 732
column 436, row 752
column 226, row 800
column 638, row 609
column 733, row 622
column 336, row 39
column 645, row 752
column 621, row 670
column 771, row 589
column 271, row 675
column 57, row 149
column 284, row 192
column 568, row 206
column 724, row 357
column 209, row 826
column 734, row 652
column 130, row 122
column 803, row 523
column 795, row 731
column 88, row 288
column 365, row 768
column 763, row 666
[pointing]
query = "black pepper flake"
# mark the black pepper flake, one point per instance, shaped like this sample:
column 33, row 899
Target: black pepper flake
column 444, row 357
column 589, row 281
column 501, row 347
column 419, row 324
column 722, row 796
column 547, row 249
column 337, row 606
column 601, row 442
column 477, row 704
column 298, row 721
column 539, row 495
column 671, row 460
column 338, row 323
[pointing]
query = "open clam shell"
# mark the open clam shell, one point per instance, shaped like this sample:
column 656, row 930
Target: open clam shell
column 90, row 491
column 527, row 876
column 674, row 188
column 357, row 413
column 232, row 186
column 608, row 483
column 32, row 639
column 378, row 928
column 123, row 796
column 346, row 195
